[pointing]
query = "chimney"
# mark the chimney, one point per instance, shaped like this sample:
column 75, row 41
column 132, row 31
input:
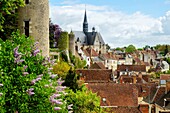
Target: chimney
column 140, row 75
column 134, row 79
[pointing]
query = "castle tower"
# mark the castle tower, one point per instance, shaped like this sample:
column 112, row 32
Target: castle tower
column 85, row 23
column 34, row 22
column 72, row 43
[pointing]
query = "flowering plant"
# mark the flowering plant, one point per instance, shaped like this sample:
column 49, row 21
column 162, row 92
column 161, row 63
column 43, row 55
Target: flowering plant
column 27, row 84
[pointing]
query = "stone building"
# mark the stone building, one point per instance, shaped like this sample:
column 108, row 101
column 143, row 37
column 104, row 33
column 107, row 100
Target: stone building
column 85, row 39
column 34, row 22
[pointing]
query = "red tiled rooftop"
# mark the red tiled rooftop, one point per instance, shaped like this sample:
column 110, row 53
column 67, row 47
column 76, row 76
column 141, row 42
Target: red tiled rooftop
column 115, row 94
column 92, row 52
column 95, row 75
column 165, row 77
column 137, row 68
column 97, row 65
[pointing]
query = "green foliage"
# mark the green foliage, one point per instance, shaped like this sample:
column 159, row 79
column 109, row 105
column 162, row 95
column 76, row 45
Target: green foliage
column 163, row 48
column 26, row 84
column 71, row 80
column 84, row 101
column 168, row 60
column 7, row 7
column 61, row 68
column 78, row 63
column 130, row 49
column 63, row 41
column 119, row 49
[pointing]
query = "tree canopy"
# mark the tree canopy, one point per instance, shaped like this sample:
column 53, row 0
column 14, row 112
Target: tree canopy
column 130, row 49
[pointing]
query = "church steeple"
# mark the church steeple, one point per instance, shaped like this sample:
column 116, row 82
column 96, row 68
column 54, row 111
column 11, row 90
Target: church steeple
column 85, row 23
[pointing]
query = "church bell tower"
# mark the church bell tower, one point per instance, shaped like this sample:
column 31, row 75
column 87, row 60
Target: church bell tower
column 85, row 23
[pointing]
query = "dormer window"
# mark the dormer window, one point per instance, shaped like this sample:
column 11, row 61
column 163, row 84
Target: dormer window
column 27, row 1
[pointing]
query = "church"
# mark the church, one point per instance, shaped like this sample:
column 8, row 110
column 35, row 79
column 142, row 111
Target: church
column 85, row 39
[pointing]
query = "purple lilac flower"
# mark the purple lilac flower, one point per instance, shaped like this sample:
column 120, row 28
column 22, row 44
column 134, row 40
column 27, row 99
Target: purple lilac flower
column 56, row 95
column 36, row 52
column 53, row 75
column 70, row 106
column 30, row 91
column 1, row 94
column 59, row 81
column 1, row 85
column 25, row 67
column 57, row 108
column 36, row 43
column 16, row 111
column 25, row 73
column 39, row 76
column 33, row 82
column 16, row 54
column 38, row 79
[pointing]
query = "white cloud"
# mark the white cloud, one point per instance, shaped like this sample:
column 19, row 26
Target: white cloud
column 116, row 27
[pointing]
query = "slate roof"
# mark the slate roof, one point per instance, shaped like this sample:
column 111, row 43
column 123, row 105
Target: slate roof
column 95, row 75
column 115, row 94
column 88, row 38
column 79, row 35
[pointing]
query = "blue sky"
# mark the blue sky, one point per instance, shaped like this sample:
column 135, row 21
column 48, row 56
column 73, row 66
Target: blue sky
column 120, row 22
column 154, row 8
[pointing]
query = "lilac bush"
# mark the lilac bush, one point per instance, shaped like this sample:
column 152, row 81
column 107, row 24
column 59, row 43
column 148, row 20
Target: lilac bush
column 27, row 84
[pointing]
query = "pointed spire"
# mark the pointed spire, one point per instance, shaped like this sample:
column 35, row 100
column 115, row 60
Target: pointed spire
column 85, row 17
column 85, row 23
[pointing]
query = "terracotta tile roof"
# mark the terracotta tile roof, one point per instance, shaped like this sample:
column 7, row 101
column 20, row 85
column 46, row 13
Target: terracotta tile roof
column 137, row 68
column 92, row 52
column 165, row 77
column 129, row 79
column 95, row 75
column 97, row 65
column 147, row 64
column 146, row 78
column 146, row 90
column 124, row 110
column 161, row 101
column 109, row 56
column 86, row 52
column 137, row 60
column 159, row 93
column 115, row 94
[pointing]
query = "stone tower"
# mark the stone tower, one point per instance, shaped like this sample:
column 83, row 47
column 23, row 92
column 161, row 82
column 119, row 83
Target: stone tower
column 72, row 43
column 85, row 23
column 34, row 22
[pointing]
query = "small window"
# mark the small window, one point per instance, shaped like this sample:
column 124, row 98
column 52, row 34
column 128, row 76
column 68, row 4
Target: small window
column 26, row 1
column 26, row 28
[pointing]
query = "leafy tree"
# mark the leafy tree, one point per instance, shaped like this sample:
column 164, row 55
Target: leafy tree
column 166, row 50
column 61, row 68
column 84, row 101
column 8, row 17
column 71, row 80
column 130, row 49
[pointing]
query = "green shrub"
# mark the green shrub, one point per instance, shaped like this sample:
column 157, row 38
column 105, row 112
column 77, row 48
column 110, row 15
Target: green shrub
column 26, row 82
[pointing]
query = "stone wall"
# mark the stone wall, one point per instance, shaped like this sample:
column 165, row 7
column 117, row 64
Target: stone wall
column 37, row 13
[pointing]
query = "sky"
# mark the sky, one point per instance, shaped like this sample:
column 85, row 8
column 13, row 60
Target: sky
column 120, row 22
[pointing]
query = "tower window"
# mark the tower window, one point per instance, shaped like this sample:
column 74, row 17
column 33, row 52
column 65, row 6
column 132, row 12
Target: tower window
column 26, row 28
column 26, row 1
